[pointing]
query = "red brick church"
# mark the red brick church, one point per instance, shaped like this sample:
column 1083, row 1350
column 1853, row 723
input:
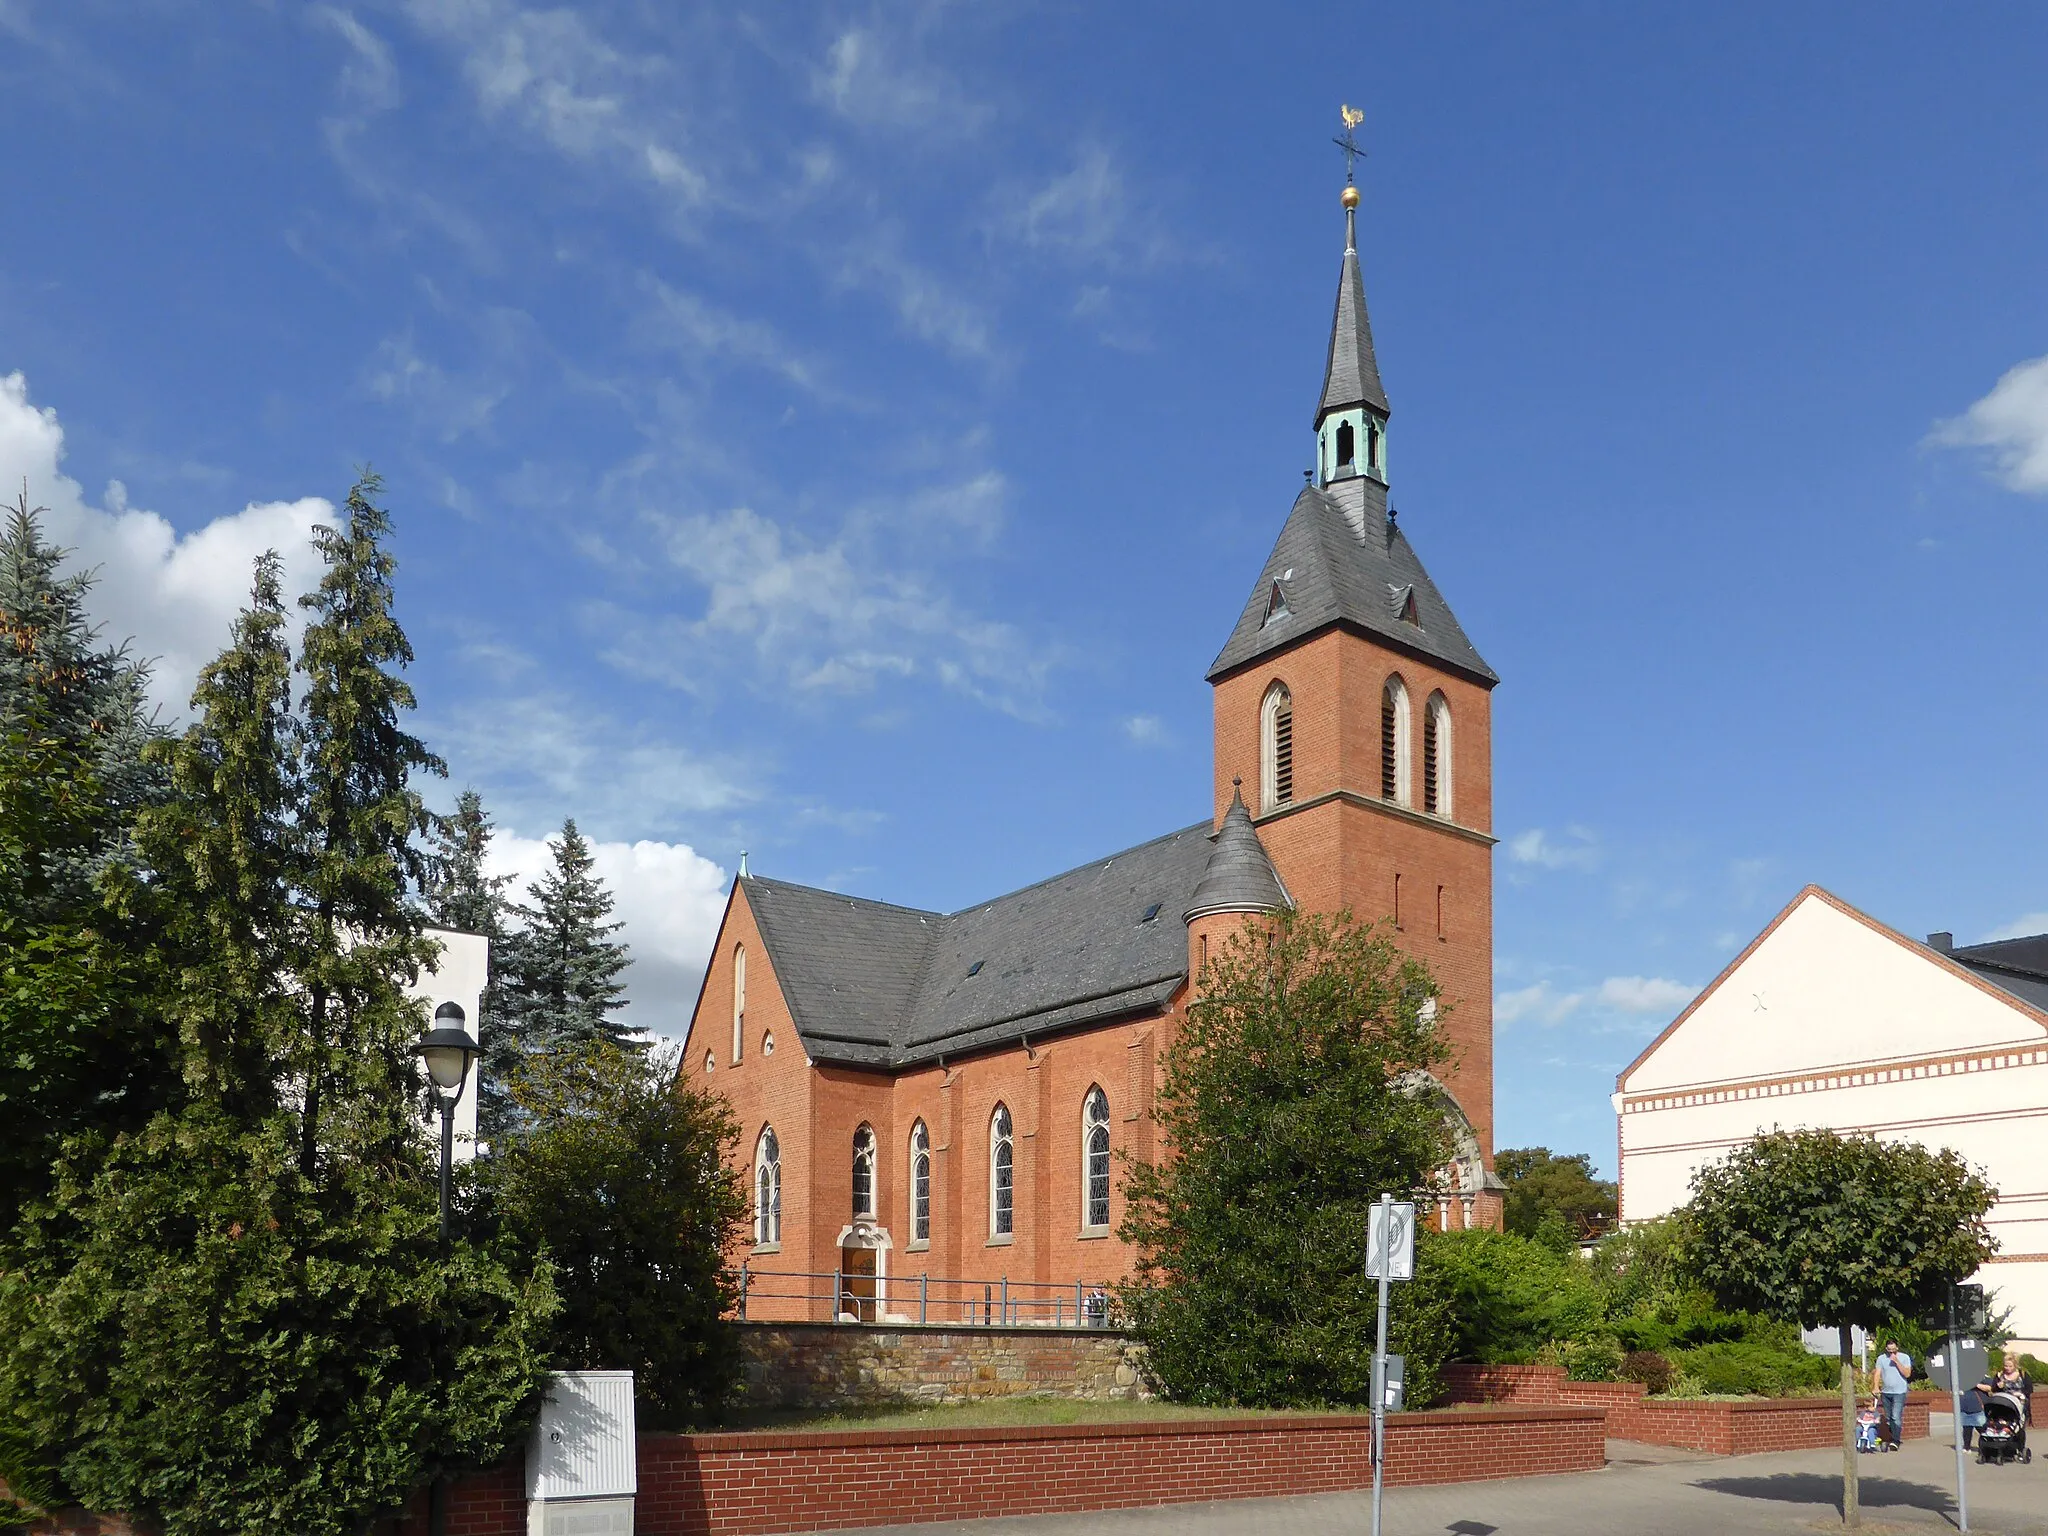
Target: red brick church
column 932, row 1104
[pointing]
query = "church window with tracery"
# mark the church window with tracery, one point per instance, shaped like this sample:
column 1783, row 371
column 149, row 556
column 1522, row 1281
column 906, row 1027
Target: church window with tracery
column 767, row 1188
column 920, row 1184
column 1095, row 1159
column 864, row 1171
column 1002, row 1172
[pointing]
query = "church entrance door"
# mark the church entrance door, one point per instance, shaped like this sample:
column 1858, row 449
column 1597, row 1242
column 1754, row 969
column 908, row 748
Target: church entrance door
column 857, row 1283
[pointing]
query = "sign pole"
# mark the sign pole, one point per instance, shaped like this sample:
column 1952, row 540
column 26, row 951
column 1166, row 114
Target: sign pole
column 1385, row 1258
column 1955, row 1397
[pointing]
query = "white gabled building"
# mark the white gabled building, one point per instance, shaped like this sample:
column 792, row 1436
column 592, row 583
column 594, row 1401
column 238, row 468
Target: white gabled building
column 1831, row 1019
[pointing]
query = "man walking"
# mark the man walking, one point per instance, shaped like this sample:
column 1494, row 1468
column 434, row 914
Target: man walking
column 1894, row 1368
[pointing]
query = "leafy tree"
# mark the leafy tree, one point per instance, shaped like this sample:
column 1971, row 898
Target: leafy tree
column 1512, row 1295
column 241, row 1318
column 1288, row 1104
column 622, row 1179
column 561, row 968
column 1542, row 1183
column 461, row 895
column 75, row 1051
column 1819, row 1228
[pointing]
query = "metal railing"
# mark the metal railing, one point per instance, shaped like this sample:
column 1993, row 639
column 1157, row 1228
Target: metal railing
column 848, row 1296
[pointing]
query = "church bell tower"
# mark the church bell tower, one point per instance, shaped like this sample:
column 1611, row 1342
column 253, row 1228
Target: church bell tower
column 1353, row 722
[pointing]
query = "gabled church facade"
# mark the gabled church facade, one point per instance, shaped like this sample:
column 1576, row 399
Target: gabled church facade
column 932, row 1105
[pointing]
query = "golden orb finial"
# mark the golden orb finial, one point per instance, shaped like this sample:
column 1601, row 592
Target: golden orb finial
column 1351, row 197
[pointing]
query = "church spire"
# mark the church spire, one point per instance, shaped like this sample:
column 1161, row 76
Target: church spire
column 1351, row 419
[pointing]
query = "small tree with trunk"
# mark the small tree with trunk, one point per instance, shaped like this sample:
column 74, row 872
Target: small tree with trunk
column 1825, row 1229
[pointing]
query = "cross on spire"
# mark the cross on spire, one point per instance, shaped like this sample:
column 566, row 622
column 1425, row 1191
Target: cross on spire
column 1352, row 118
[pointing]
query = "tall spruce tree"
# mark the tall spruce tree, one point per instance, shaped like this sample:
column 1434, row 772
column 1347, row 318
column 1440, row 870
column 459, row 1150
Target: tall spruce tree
column 561, row 969
column 75, row 1051
column 463, row 896
column 242, row 1318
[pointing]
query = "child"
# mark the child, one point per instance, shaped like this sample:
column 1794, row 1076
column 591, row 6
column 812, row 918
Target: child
column 1866, row 1427
column 1973, row 1410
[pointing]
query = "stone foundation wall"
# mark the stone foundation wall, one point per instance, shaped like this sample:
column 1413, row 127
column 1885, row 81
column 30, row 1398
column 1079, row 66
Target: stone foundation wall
column 828, row 1365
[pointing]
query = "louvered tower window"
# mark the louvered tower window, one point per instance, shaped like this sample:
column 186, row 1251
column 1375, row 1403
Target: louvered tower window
column 1429, row 762
column 1394, row 760
column 1278, row 747
column 1436, row 756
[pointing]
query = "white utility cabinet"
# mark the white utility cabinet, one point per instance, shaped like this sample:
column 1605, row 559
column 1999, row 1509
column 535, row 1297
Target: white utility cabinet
column 582, row 1467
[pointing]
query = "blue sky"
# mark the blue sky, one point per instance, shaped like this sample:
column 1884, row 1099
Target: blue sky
column 848, row 434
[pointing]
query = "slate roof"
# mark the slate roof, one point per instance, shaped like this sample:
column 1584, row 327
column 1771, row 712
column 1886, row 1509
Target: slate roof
column 1239, row 876
column 2018, row 966
column 1339, row 560
column 870, row 984
column 1351, row 375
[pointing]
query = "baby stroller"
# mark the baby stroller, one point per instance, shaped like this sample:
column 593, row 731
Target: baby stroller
column 2004, row 1435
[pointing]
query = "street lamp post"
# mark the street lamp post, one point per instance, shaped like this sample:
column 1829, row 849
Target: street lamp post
column 447, row 1049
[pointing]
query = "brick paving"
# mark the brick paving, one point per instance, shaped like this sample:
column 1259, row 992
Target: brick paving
column 1644, row 1491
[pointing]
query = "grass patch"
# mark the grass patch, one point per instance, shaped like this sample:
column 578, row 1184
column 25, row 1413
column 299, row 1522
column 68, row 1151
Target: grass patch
column 991, row 1413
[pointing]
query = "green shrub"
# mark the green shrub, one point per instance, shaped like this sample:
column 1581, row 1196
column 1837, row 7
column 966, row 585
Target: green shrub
column 1649, row 1368
column 1755, row 1369
column 1684, row 1387
column 1597, row 1358
column 2035, row 1368
column 1512, row 1295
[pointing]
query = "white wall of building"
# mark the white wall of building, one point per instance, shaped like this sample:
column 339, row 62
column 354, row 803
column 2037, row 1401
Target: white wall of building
column 1831, row 1020
column 459, row 977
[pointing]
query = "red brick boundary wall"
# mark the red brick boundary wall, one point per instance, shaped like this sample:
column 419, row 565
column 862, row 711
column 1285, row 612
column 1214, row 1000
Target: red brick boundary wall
column 755, row 1484
column 1720, row 1428
column 828, row 1365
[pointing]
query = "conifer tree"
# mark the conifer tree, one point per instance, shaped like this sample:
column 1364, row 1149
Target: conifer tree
column 359, row 825
column 561, row 969
column 75, row 1052
column 242, row 1318
column 463, row 897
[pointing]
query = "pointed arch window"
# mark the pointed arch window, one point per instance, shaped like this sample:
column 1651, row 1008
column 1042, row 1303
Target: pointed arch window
column 864, row 1172
column 767, row 1189
column 1372, row 446
column 1276, row 732
column 1095, row 1160
column 1347, row 445
column 1394, row 742
column 739, row 1001
column 1002, row 1174
column 920, row 1184
column 1436, row 756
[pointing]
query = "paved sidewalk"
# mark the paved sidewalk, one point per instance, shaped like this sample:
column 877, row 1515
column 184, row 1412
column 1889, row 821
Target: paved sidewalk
column 1645, row 1490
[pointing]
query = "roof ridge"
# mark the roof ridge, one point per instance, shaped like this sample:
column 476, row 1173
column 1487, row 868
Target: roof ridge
column 826, row 890
column 1076, row 869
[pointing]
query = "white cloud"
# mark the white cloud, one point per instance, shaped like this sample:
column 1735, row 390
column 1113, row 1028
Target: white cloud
column 877, row 82
column 2011, row 426
column 540, row 756
column 2023, row 927
column 1577, row 849
column 1087, row 214
column 834, row 615
column 670, row 898
column 1630, row 995
column 175, row 595
column 1145, row 731
column 1643, row 994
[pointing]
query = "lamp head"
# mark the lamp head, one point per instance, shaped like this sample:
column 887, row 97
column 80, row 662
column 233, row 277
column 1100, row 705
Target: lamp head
column 448, row 1049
